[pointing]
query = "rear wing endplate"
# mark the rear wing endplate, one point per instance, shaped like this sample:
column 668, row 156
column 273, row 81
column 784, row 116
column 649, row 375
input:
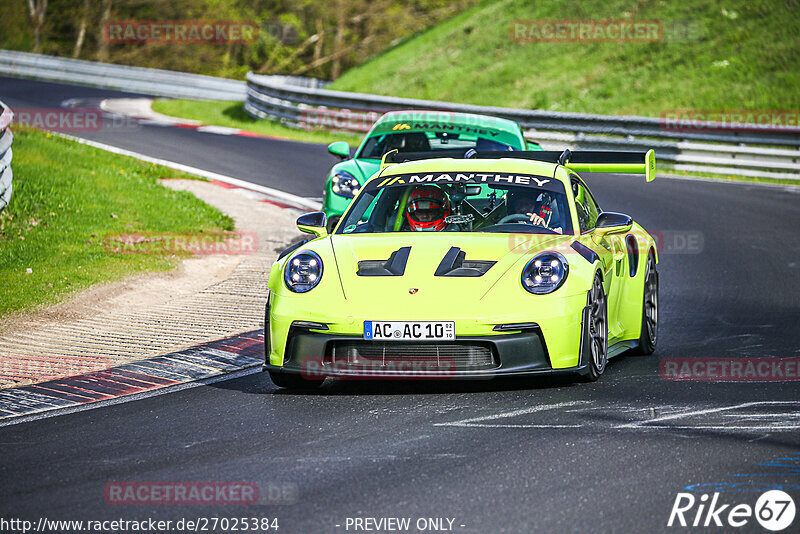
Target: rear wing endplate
column 609, row 161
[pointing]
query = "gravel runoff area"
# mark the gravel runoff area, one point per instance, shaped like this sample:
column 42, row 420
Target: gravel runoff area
column 206, row 298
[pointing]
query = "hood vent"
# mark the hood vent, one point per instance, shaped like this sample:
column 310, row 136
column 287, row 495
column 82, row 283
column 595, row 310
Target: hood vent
column 394, row 266
column 455, row 263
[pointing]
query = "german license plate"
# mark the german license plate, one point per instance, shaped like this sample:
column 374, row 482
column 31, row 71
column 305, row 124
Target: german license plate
column 410, row 330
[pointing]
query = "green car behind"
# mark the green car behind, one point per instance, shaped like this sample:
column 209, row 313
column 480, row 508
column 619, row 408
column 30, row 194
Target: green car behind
column 412, row 131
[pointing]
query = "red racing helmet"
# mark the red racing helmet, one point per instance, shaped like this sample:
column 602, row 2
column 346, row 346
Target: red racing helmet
column 427, row 208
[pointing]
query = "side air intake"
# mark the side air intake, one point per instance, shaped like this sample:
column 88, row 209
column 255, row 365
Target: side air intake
column 455, row 263
column 394, row 266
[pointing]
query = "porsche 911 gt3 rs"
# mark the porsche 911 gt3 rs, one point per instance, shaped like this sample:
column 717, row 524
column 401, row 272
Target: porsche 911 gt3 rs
column 473, row 264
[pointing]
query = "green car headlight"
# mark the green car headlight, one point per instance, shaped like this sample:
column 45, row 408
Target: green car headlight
column 345, row 184
column 303, row 272
column 545, row 273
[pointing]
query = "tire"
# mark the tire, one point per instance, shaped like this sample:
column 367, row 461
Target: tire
column 649, row 336
column 598, row 330
column 283, row 380
column 332, row 222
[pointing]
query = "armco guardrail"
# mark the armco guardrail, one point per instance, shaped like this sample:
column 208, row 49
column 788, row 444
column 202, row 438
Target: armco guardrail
column 140, row 80
column 6, row 138
column 706, row 147
column 750, row 150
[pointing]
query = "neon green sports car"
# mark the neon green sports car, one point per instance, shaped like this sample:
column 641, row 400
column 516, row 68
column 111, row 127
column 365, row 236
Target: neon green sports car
column 474, row 264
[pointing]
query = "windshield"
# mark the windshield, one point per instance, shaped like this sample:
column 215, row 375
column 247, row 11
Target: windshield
column 378, row 145
column 460, row 201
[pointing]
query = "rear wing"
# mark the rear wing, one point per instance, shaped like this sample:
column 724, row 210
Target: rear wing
column 606, row 161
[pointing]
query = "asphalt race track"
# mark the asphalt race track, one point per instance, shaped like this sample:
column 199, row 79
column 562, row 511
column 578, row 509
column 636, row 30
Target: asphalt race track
column 496, row 456
column 289, row 166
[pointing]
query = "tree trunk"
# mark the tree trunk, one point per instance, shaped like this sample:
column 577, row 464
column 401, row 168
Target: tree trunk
column 320, row 42
column 300, row 50
column 102, row 41
column 76, row 52
column 37, row 9
column 338, row 40
column 321, row 61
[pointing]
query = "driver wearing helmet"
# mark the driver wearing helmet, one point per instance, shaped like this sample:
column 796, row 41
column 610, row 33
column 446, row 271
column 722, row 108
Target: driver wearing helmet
column 427, row 208
column 540, row 208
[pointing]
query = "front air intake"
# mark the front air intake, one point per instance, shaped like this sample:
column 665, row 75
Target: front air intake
column 431, row 356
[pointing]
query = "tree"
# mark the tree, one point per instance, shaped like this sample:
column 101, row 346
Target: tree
column 338, row 39
column 102, row 42
column 37, row 9
column 76, row 52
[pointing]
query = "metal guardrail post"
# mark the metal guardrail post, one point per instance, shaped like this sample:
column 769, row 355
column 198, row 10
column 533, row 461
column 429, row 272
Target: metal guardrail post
column 6, row 138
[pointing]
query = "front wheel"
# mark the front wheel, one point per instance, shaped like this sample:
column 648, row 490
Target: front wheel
column 649, row 335
column 598, row 330
column 288, row 381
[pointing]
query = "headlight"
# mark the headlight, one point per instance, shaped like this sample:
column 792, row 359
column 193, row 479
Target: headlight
column 345, row 184
column 303, row 272
column 545, row 273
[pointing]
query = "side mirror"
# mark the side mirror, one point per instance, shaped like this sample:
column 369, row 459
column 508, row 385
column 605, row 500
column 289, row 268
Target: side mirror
column 613, row 223
column 313, row 223
column 340, row 149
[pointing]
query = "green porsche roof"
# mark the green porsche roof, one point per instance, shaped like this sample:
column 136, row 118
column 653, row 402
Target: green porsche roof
column 432, row 120
column 388, row 120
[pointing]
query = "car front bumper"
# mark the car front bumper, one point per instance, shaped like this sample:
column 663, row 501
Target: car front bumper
column 315, row 354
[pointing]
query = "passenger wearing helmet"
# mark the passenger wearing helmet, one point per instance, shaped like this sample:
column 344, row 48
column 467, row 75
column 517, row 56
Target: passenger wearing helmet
column 540, row 208
column 427, row 208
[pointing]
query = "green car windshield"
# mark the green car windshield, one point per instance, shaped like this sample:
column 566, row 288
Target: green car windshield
column 378, row 145
column 460, row 201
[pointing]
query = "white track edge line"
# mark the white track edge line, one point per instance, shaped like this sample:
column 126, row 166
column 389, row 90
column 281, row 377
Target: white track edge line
column 277, row 195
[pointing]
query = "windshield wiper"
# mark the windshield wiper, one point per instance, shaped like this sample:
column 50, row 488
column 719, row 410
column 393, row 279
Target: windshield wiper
column 516, row 228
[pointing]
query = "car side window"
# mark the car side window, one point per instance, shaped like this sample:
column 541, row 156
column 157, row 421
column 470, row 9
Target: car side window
column 585, row 204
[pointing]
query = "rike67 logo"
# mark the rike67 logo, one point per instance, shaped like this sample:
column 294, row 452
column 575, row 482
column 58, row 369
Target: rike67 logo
column 774, row 510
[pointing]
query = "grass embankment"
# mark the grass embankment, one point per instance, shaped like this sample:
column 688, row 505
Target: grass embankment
column 232, row 115
column 67, row 197
column 736, row 54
